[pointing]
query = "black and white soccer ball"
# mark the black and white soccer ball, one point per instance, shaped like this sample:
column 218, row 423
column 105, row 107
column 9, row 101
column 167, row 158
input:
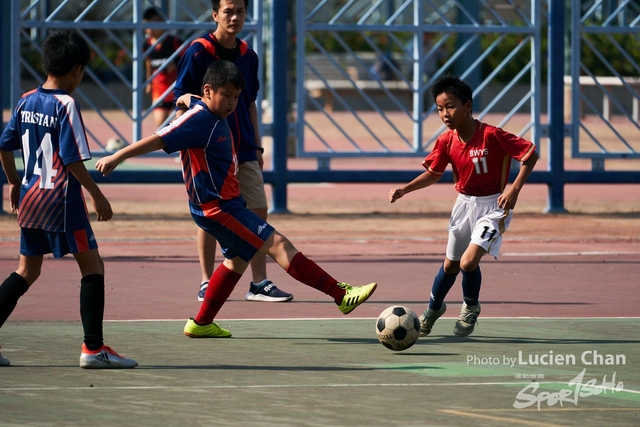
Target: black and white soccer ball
column 398, row 328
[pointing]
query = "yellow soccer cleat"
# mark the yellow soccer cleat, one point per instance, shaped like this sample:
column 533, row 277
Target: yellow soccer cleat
column 212, row 330
column 354, row 296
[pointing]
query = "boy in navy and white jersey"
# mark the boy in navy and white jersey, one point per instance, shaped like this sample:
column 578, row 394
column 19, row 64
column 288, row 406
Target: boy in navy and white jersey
column 47, row 127
column 480, row 157
column 209, row 166
column 225, row 44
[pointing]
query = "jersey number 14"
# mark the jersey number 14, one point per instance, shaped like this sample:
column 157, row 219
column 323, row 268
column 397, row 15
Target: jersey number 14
column 44, row 160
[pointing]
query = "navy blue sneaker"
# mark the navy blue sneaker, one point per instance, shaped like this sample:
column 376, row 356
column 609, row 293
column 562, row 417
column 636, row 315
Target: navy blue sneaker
column 267, row 291
column 203, row 290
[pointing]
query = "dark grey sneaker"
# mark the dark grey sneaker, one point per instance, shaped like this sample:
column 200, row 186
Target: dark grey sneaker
column 467, row 320
column 429, row 317
column 4, row 361
column 203, row 290
column 268, row 292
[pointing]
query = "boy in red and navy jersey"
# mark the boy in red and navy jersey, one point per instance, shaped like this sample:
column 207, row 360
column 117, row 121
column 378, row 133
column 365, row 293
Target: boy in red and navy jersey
column 224, row 44
column 480, row 156
column 209, row 165
column 47, row 127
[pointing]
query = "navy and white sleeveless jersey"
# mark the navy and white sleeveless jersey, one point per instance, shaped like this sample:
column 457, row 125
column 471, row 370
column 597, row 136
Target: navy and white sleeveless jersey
column 192, row 68
column 47, row 126
column 207, row 152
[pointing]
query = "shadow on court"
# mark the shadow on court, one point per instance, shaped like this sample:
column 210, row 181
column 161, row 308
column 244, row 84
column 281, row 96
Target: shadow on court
column 327, row 373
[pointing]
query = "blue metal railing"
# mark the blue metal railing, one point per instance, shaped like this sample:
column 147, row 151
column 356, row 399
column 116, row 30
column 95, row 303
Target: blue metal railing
column 279, row 175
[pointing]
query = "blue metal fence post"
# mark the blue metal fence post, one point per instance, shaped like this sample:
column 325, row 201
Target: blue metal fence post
column 279, row 129
column 556, row 107
column 6, row 33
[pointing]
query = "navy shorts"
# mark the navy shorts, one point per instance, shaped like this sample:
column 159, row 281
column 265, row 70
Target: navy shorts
column 34, row 242
column 240, row 232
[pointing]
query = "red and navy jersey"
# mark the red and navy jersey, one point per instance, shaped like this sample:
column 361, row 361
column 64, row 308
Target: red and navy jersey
column 192, row 68
column 209, row 161
column 480, row 166
column 47, row 126
column 160, row 54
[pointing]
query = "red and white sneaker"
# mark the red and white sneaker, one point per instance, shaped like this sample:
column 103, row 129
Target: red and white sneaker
column 104, row 358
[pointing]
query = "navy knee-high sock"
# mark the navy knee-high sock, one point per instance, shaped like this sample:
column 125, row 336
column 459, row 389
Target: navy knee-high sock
column 11, row 290
column 471, row 281
column 92, row 309
column 441, row 286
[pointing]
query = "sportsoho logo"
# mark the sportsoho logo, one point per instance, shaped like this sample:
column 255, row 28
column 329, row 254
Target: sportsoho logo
column 577, row 388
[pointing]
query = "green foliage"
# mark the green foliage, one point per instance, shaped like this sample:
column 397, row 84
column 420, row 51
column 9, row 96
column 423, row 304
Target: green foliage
column 504, row 48
column 604, row 43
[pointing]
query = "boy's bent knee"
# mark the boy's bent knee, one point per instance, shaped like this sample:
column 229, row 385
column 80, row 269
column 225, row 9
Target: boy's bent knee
column 451, row 267
column 469, row 264
column 237, row 265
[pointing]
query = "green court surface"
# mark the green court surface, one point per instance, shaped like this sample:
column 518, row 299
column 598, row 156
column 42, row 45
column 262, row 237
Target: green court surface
column 327, row 373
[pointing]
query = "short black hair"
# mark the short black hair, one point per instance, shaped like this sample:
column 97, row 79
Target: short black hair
column 453, row 86
column 221, row 73
column 62, row 50
column 215, row 4
column 151, row 13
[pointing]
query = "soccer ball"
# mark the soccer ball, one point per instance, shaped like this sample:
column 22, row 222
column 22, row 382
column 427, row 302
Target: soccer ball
column 114, row 144
column 398, row 328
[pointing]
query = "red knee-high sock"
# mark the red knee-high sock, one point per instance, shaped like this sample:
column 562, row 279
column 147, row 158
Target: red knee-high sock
column 220, row 287
column 308, row 272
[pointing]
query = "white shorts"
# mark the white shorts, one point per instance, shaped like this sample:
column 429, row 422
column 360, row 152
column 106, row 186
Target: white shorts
column 252, row 185
column 477, row 220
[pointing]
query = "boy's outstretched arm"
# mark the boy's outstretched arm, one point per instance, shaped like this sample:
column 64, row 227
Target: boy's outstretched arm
column 100, row 203
column 106, row 165
column 509, row 198
column 423, row 180
column 9, row 166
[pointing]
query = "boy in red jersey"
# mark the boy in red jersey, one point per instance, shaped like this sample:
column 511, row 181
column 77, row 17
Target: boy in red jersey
column 47, row 126
column 480, row 156
column 209, row 165
column 224, row 44
column 164, row 48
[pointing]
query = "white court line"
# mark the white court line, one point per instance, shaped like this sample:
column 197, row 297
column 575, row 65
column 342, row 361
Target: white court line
column 295, row 386
column 568, row 253
column 295, row 319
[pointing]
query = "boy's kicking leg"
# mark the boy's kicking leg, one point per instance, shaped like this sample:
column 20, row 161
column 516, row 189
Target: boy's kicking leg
column 298, row 266
column 94, row 353
column 304, row 270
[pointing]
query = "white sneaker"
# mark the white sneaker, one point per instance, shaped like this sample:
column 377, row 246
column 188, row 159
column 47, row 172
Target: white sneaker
column 467, row 320
column 429, row 317
column 104, row 358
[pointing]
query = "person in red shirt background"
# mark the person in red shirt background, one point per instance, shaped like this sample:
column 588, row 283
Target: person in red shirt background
column 164, row 45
